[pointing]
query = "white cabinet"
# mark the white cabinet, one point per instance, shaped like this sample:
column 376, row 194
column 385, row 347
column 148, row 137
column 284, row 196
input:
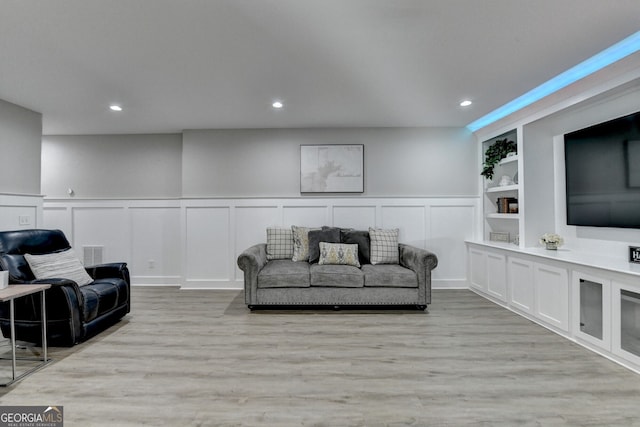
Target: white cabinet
column 521, row 284
column 497, row 276
column 626, row 321
column 478, row 269
column 488, row 273
column 552, row 295
column 591, row 304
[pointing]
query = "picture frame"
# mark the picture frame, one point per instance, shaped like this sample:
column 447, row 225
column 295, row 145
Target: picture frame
column 337, row 168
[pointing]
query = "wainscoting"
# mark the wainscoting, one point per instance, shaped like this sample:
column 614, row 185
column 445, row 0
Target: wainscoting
column 194, row 243
column 20, row 211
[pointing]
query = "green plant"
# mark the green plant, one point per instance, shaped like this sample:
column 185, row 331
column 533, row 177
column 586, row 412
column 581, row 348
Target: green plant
column 496, row 152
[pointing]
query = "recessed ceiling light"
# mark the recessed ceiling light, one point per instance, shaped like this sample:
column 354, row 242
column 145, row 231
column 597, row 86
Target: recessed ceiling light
column 277, row 104
column 465, row 103
column 115, row 107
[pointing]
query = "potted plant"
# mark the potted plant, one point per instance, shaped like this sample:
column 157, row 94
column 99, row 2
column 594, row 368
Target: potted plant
column 496, row 152
column 551, row 240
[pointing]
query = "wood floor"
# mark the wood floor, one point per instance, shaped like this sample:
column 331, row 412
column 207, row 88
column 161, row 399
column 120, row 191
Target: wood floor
column 200, row 358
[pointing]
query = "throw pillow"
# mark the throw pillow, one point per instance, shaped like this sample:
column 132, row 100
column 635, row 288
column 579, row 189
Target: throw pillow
column 327, row 234
column 360, row 238
column 279, row 243
column 59, row 265
column 338, row 253
column 384, row 246
column 301, row 243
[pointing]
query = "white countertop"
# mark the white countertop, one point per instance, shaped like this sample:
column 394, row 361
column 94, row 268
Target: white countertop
column 568, row 255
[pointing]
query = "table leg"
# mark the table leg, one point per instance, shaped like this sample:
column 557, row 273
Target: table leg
column 12, row 322
column 44, row 327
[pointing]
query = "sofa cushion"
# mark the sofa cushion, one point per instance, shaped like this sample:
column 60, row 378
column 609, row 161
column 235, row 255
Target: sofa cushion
column 338, row 254
column 59, row 265
column 281, row 273
column 384, row 246
column 301, row 243
column 102, row 296
column 360, row 238
column 327, row 234
column 336, row 276
column 279, row 243
column 389, row 276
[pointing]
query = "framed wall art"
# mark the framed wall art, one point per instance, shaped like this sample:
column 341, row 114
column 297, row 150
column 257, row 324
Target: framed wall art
column 332, row 168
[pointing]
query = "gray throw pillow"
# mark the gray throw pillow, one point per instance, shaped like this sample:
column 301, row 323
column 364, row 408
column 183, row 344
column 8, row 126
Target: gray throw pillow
column 360, row 238
column 326, row 234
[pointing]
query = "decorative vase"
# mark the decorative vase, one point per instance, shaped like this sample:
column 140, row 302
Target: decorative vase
column 552, row 246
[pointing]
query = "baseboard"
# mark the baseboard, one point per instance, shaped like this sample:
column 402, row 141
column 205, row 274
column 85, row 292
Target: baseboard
column 213, row 284
column 449, row 284
column 156, row 280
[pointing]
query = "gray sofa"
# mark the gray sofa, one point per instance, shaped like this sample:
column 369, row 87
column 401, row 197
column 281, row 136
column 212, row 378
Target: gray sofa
column 285, row 282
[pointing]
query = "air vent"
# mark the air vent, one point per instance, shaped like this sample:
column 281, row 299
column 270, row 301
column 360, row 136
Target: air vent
column 92, row 255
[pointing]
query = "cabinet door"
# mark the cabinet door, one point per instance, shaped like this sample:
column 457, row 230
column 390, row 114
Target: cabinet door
column 625, row 322
column 478, row 269
column 521, row 281
column 497, row 276
column 592, row 309
column 552, row 295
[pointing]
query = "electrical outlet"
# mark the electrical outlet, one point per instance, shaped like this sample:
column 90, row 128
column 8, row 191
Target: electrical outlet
column 24, row 220
column 152, row 263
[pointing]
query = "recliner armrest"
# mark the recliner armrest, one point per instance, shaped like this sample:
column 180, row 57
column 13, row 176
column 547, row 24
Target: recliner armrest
column 107, row 271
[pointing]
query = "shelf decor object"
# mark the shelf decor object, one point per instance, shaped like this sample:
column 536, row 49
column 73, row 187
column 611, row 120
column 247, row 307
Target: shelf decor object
column 332, row 168
column 499, row 236
column 496, row 152
column 551, row 241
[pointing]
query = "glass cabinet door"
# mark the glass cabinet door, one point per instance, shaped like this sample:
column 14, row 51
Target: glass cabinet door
column 630, row 321
column 591, row 308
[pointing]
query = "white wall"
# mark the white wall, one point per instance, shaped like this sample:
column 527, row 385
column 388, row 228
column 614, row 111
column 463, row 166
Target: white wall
column 120, row 166
column 20, row 134
column 235, row 183
column 399, row 162
column 544, row 170
column 194, row 243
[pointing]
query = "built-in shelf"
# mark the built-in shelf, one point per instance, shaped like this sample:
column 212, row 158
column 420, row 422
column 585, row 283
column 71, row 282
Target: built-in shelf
column 500, row 189
column 503, row 216
column 509, row 159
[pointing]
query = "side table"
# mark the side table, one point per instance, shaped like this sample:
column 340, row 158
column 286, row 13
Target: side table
column 10, row 294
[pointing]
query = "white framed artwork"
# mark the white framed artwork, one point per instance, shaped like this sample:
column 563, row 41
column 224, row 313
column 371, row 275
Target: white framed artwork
column 332, row 168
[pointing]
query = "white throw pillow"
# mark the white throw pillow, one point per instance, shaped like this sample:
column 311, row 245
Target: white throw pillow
column 384, row 246
column 279, row 243
column 59, row 265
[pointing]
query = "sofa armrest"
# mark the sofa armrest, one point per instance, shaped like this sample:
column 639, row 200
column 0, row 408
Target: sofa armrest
column 107, row 271
column 251, row 262
column 422, row 262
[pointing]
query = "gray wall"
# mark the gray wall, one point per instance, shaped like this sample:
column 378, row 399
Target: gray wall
column 20, row 135
column 119, row 166
column 400, row 162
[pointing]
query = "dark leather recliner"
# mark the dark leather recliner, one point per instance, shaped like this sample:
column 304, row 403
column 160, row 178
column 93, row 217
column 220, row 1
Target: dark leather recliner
column 74, row 313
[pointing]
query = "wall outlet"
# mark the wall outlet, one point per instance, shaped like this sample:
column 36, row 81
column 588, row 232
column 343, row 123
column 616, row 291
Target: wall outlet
column 152, row 264
column 634, row 254
column 24, row 220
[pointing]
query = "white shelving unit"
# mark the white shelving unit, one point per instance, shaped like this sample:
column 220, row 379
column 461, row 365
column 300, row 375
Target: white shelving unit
column 509, row 166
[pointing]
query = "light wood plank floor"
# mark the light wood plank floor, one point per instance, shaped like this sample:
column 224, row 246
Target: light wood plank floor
column 200, row 358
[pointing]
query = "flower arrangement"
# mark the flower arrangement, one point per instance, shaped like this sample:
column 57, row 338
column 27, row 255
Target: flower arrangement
column 551, row 240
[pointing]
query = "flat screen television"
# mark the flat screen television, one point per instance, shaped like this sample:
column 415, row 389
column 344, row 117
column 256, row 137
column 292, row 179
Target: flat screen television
column 602, row 166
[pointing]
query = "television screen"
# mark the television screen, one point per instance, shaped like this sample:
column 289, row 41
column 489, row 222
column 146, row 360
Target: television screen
column 602, row 166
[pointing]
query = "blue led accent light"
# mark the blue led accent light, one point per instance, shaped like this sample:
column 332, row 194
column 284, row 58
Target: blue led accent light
column 597, row 62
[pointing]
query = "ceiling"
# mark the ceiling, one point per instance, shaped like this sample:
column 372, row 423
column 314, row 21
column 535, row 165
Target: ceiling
column 205, row 64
